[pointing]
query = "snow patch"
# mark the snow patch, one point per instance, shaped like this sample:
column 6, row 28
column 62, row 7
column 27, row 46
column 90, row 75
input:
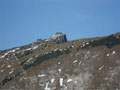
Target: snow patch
column 101, row 67
column 113, row 52
column 108, row 54
column 59, row 62
column 80, row 62
column 2, row 65
column 69, row 80
column 36, row 56
column 61, row 81
column 54, row 88
column 29, row 59
column 88, row 52
column 76, row 82
column 47, row 40
column 59, row 70
column 9, row 66
column 86, row 56
column 61, row 50
column 87, row 43
column 28, row 49
column 17, row 48
column 11, row 72
column 7, row 58
column 72, row 46
column 41, row 84
column 41, row 75
column 65, row 87
column 55, row 49
column 4, row 55
column 52, row 80
column 12, row 69
column 46, row 87
column 83, row 45
column 2, row 71
column 75, row 61
column 106, row 78
column 35, row 47
column 13, row 50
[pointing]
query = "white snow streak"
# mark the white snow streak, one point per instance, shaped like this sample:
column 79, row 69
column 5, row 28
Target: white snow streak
column 75, row 61
column 29, row 59
column 46, row 88
column 41, row 75
column 101, row 67
column 10, row 72
column 69, row 80
column 61, row 81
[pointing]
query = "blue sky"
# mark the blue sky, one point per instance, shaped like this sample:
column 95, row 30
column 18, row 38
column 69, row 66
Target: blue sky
column 23, row 21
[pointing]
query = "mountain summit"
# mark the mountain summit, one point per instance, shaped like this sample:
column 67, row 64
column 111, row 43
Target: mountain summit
column 57, row 38
column 60, row 37
column 51, row 64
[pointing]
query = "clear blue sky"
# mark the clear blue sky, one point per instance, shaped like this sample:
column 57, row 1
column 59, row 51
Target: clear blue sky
column 23, row 21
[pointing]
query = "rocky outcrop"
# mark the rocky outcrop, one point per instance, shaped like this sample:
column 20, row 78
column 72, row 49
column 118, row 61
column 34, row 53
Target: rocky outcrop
column 60, row 37
column 57, row 38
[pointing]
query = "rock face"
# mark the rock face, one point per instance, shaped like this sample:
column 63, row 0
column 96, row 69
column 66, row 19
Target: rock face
column 85, row 64
column 39, row 40
column 60, row 37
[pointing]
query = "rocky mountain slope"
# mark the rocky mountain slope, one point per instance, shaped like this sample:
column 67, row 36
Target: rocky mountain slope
column 58, row 64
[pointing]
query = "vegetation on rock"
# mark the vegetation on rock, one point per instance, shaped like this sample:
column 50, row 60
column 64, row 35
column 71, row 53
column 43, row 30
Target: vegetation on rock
column 44, row 57
column 109, row 42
